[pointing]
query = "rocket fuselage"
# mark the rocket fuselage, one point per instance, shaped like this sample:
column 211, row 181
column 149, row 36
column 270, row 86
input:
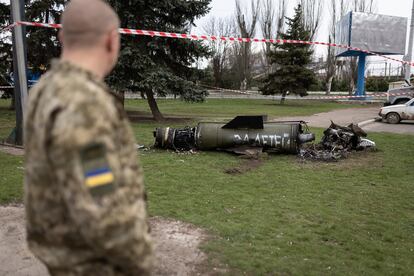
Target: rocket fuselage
column 278, row 137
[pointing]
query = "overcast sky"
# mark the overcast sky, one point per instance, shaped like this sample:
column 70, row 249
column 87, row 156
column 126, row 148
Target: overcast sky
column 225, row 8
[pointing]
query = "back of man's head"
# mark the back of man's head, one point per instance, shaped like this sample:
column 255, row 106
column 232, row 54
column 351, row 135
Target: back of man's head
column 86, row 23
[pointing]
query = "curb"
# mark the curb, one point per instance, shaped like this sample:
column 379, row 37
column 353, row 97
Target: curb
column 367, row 122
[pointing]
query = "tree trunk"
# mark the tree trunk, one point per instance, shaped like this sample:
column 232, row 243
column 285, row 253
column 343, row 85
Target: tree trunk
column 13, row 102
column 154, row 106
column 143, row 95
column 329, row 85
column 282, row 100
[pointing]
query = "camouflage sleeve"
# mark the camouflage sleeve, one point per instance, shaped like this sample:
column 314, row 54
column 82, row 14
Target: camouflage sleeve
column 103, row 202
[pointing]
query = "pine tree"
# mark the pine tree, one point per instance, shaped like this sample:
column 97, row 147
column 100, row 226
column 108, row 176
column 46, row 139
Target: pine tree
column 159, row 66
column 152, row 65
column 43, row 44
column 290, row 61
column 5, row 52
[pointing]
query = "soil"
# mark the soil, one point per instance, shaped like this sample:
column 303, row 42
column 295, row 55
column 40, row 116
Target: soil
column 12, row 150
column 177, row 246
column 249, row 164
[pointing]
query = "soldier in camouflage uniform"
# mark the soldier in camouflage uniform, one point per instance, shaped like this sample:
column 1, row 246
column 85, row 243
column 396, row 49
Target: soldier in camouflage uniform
column 84, row 193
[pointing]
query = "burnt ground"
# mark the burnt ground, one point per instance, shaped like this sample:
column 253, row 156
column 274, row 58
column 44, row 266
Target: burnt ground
column 177, row 247
column 248, row 164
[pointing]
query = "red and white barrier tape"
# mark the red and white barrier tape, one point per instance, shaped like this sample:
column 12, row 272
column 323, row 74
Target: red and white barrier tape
column 373, row 95
column 218, row 38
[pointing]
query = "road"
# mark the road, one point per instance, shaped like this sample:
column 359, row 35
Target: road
column 354, row 115
column 405, row 127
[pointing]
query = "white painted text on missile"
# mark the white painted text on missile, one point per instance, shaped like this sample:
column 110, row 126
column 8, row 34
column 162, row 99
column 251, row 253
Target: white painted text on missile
column 263, row 140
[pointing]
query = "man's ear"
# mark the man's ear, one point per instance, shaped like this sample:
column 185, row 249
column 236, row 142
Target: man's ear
column 112, row 40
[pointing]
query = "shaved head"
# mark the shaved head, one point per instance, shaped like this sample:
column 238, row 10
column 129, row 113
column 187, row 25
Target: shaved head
column 87, row 22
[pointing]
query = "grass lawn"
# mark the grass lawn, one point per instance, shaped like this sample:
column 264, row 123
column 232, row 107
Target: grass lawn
column 285, row 217
column 7, row 119
column 226, row 108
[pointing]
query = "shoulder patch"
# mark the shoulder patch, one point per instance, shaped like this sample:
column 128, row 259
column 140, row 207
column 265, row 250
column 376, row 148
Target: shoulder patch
column 98, row 176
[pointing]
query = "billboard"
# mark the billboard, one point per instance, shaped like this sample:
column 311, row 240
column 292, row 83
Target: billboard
column 382, row 34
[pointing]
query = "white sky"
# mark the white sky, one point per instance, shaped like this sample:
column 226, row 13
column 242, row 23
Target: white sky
column 225, row 8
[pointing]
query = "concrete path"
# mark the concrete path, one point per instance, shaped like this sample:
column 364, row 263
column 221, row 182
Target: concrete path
column 355, row 115
column 405, row 127
column 341, row 117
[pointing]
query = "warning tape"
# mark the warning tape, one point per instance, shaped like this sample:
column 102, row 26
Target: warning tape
column 6, row 87
column 373, row 95
column 218, row 38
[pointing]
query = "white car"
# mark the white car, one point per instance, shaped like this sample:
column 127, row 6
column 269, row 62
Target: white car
column 395, row 113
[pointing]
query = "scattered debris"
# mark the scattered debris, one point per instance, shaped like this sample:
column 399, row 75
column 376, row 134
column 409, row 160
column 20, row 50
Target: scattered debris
column 244, row 135
column 337, row 143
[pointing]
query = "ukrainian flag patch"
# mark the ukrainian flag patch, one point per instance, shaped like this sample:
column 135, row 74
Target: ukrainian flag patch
column 98, row 176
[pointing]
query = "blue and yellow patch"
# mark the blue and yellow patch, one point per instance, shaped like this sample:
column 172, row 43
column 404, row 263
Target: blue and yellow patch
column 99, row 177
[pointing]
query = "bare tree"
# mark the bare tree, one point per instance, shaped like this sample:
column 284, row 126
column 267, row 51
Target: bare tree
column 220, row 48
column 364, row 5
column 272, row 22
column 312, row 15
column 338, row 8
column 247, row 29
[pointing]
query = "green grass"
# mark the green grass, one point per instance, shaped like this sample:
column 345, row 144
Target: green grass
column 285, row 217
column 7, row 119
column 11, row 178
column 231, row 107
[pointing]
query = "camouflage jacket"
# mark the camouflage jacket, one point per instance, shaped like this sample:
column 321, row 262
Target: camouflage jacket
column 84, row 192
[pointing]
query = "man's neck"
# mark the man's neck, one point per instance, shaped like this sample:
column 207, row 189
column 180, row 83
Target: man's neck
column 88, row 62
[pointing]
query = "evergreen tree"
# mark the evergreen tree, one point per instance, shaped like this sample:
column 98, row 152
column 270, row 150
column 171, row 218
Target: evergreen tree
column 6, row 53
column 160, row 66
column 152, row 65
column 43, row 44
column 290, row 61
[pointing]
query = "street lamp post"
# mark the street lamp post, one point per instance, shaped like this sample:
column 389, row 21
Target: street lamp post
column 409, row 56
column 19, row 70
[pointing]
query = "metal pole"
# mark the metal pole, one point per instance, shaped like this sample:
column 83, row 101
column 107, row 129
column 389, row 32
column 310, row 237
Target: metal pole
column 409, row 56
column 19, row 67
column 361, row 75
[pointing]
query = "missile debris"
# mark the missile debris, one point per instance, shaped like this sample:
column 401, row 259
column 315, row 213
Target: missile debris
column 337, row 143
column 242, row 135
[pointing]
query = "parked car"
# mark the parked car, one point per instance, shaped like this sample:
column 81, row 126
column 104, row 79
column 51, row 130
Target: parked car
column 400, row 99
column 394, row 114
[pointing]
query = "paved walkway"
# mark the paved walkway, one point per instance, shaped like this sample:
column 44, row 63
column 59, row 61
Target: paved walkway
column 355, row 115
column 341, row 117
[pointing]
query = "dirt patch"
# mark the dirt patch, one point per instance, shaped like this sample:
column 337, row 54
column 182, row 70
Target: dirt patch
column 177, row 246
column 12, row 150
column 247, row 165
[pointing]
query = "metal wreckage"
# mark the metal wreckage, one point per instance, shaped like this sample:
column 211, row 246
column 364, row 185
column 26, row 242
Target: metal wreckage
column 252, row 135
